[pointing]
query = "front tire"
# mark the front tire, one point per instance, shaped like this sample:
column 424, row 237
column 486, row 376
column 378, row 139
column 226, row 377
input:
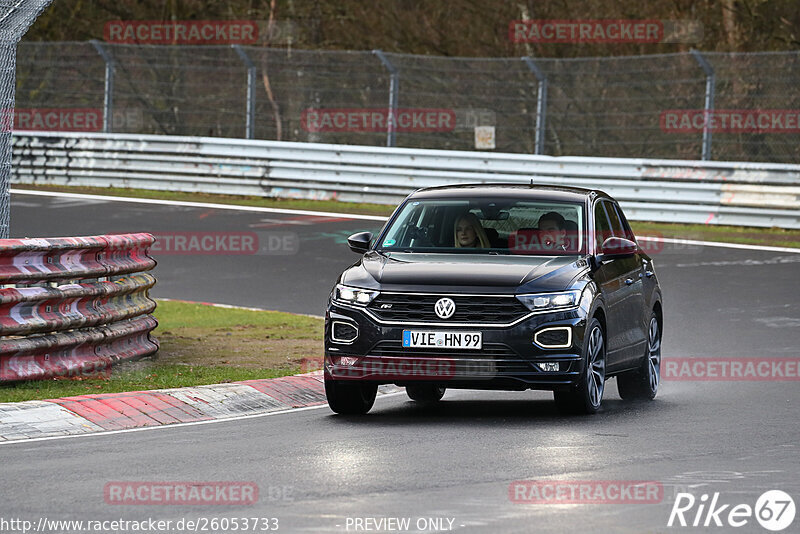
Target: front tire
column 425, row 393
column 643, row 382
column 350, row 398
column 587, row 395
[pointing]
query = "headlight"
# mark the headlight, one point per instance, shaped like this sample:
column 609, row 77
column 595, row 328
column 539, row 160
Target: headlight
column 550, row 301
column 353, row 295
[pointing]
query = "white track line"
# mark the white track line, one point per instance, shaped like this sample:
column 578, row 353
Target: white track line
column 720, row 244
column 210, row 205
column 234, row 307
column 174, row 425
column 257, row 209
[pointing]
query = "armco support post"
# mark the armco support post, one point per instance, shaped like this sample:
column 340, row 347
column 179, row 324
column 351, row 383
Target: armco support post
column 250, row 121
column 108, row 89
column 394, row 88
column 708, row 108
column 541, row 105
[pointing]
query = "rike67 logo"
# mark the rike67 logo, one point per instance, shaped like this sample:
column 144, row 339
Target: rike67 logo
column 774, row 510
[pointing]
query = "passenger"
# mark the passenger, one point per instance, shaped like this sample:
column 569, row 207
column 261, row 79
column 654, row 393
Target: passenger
column 468, row 232
column 552, row 231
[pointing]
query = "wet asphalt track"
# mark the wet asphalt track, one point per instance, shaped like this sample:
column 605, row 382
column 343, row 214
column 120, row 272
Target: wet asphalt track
column 457, row 460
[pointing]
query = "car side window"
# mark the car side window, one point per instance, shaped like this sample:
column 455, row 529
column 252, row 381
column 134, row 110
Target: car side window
column 602, row 225
column 627, row 233
column 616, row 224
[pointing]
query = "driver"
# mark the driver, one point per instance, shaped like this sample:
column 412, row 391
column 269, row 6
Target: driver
column 469, row 233
column 552, row 231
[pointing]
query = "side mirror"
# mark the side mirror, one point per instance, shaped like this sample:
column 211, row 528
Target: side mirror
column 616, row 247
column 359, row 242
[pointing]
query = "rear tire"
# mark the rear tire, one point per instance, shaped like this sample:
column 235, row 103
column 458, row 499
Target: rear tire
column 587, row 395
column 425, row 393
column 350, row 398
column 643, row 382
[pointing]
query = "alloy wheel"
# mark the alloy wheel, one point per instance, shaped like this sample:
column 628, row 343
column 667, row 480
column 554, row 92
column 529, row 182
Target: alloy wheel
column 654, row 354
column 596, row 368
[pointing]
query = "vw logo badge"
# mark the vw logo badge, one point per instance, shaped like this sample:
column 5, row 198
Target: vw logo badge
column 444, row 308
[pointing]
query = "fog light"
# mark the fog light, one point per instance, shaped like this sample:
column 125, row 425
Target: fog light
column 548, row 366
column 345, row 360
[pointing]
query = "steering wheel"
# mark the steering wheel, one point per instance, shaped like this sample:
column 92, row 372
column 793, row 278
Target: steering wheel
column 420, row 234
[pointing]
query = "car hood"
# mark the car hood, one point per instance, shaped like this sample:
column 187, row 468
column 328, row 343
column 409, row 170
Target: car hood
column 503, row 273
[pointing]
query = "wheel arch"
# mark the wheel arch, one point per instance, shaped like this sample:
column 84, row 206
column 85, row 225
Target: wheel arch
column 599, row 313
column 659, row 311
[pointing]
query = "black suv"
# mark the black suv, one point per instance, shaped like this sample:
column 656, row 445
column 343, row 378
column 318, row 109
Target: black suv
column 496, row 287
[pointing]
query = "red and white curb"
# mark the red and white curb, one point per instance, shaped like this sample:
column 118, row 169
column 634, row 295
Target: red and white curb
column 138, row 409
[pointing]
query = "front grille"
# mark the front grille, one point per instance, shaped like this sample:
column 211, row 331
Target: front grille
column 402, row 307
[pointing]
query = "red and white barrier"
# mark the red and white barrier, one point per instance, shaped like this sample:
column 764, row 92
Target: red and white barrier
column 75, row 324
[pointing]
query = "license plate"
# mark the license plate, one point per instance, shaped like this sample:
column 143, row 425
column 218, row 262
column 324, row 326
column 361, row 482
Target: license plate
column 416, row 339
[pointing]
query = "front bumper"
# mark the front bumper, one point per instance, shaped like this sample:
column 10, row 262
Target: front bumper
column 509, row 359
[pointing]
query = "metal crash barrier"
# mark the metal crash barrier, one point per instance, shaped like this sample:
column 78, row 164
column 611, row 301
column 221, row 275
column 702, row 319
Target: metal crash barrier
column 705, row 192
column 74, row 306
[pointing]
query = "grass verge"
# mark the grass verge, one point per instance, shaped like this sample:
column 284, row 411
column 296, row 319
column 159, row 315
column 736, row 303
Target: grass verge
column 199, row 345
column 773, row 237
column 777, row 237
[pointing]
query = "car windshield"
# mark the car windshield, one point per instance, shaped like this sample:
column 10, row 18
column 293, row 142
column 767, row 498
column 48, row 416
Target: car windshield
column 487, row 226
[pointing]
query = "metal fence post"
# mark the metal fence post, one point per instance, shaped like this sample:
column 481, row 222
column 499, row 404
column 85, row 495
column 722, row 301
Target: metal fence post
column 108, row 89
column 8, row 51
column 394, row 88
column 15, row 19
column 250, row 121
column 541, row 104
column 711, row 81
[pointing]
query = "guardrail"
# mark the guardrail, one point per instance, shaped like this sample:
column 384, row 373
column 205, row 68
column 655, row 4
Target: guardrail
column 74, row 306
column 747, row 194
